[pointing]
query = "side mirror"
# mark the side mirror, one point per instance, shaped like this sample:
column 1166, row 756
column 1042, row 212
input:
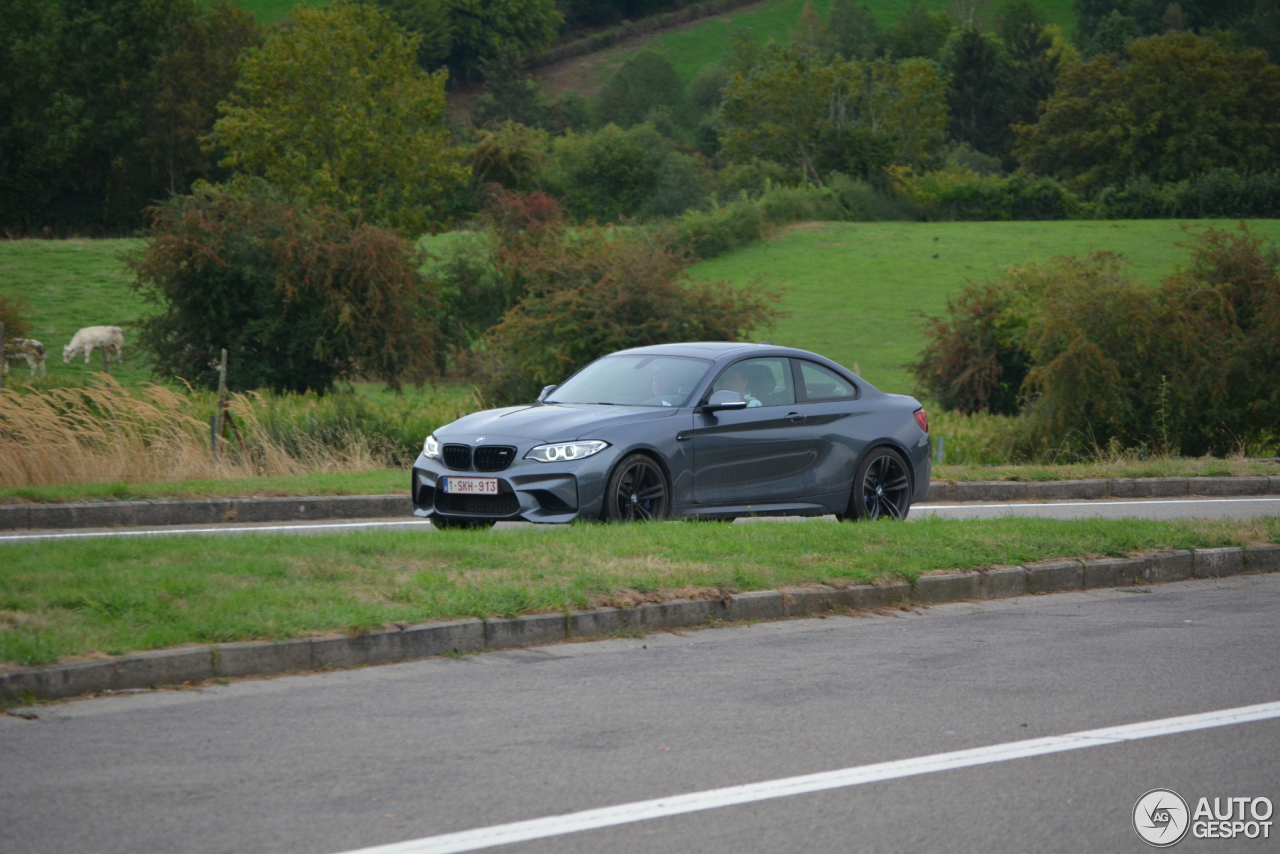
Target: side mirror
column 724, row 399
column 546, row 391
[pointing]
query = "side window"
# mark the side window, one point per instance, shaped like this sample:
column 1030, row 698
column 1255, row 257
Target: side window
column 823, row 384
column 763, row 382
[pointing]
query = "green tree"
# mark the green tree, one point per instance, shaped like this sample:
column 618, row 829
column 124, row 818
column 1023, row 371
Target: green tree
column 511, row 95
column 77, row 83
column 509, row 154
column 607, row 175
column 429, row 20
column 850, row 116
column 645, row 82
column 854, row 32
column 1113, row 33
column 1036, row 59
column 918, row 32
column 479, row 29
column 811, row 33
column 981, row 95
column 1172, row 107
column 196, row 74
column 298, row 295
column 336, row 108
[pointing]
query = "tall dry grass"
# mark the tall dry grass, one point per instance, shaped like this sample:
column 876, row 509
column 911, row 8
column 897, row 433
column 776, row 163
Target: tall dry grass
column 108, row 432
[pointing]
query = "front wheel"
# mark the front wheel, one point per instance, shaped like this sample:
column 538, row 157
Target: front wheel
column 637, row 491
column 881, row 487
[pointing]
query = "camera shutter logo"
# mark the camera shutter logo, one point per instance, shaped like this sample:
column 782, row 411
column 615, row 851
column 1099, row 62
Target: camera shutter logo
column 1161, row 818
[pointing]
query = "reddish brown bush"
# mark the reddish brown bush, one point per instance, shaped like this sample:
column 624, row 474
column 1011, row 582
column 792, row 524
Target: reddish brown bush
column 298, row 295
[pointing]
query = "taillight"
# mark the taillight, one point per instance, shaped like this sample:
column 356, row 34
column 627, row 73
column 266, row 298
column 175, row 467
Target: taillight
column 922, row 419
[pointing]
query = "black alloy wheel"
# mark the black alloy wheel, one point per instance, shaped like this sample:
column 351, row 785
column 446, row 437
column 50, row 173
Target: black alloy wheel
column 459, row 522
column 637, row 491
column 881, row 488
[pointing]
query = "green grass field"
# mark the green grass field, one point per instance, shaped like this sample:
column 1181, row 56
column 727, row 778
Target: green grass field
column 70, row 284
column 856, row 291
column 71, row 598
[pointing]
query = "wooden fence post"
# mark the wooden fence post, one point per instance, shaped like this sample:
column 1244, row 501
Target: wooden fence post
column 106, row 360
column 219, row 414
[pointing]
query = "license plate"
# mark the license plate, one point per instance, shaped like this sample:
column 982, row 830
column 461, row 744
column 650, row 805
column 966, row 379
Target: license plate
column 471, row 485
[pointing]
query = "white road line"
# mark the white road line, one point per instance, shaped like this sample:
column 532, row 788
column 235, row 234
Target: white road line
column 231, row 529
column 542, row 828
column 304, row 526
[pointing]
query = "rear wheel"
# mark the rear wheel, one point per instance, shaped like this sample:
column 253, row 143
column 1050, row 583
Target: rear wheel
column 454, row 522
column 881, row 487
column 637, row 491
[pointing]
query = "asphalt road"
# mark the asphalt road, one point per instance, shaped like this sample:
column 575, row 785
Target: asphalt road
column 341, row 761
column 1139, row 508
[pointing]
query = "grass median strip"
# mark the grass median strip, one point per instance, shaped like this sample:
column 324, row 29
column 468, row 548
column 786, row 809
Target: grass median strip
column 61, row 600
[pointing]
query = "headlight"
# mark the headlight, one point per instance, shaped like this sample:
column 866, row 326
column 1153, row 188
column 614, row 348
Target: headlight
column 431, row 448
column 563, row 451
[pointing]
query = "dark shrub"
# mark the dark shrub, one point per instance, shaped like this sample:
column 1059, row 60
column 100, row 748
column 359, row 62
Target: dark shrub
column 591, row 291
column 609, row 174
column 1217, row 194
column 297, row 295
column 975, row 360
column 1191, row 366
column 1019, row 197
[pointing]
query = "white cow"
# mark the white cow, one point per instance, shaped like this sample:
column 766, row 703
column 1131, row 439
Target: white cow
column 108, row 338
column 24, row 348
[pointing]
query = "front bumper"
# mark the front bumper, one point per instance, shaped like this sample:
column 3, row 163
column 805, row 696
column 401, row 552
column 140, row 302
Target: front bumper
column 528, row 491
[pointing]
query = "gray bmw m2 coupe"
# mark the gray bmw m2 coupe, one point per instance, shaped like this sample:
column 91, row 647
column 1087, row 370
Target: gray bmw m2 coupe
column 709, row 430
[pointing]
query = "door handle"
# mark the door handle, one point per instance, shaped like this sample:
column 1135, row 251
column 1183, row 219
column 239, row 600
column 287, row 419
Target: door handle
column 795, row 417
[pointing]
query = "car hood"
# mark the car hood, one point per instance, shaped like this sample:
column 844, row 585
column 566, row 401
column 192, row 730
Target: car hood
column 555, row 422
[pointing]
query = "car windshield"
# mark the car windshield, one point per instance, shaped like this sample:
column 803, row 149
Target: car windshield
column 634, row 381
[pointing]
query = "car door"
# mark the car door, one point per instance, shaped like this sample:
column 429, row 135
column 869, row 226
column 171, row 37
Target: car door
column 832, row 408
column 755, row 455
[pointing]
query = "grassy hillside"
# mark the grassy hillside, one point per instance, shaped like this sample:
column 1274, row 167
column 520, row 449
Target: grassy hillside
column 692, row 47
column 856, row 291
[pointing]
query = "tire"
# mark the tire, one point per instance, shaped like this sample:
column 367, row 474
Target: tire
column 637, row 491
column 881, row 487
column 459, row 522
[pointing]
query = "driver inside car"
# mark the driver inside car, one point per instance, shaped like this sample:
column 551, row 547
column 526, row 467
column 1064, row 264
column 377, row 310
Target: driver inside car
column 666, row 389
column 735, row 379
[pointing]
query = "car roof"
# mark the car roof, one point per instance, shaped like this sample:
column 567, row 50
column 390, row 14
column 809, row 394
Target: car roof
column 712, row 349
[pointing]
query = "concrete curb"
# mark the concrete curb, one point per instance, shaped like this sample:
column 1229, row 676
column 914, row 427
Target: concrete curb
column 225, row 660
column 210, row 511
column 121, row 514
